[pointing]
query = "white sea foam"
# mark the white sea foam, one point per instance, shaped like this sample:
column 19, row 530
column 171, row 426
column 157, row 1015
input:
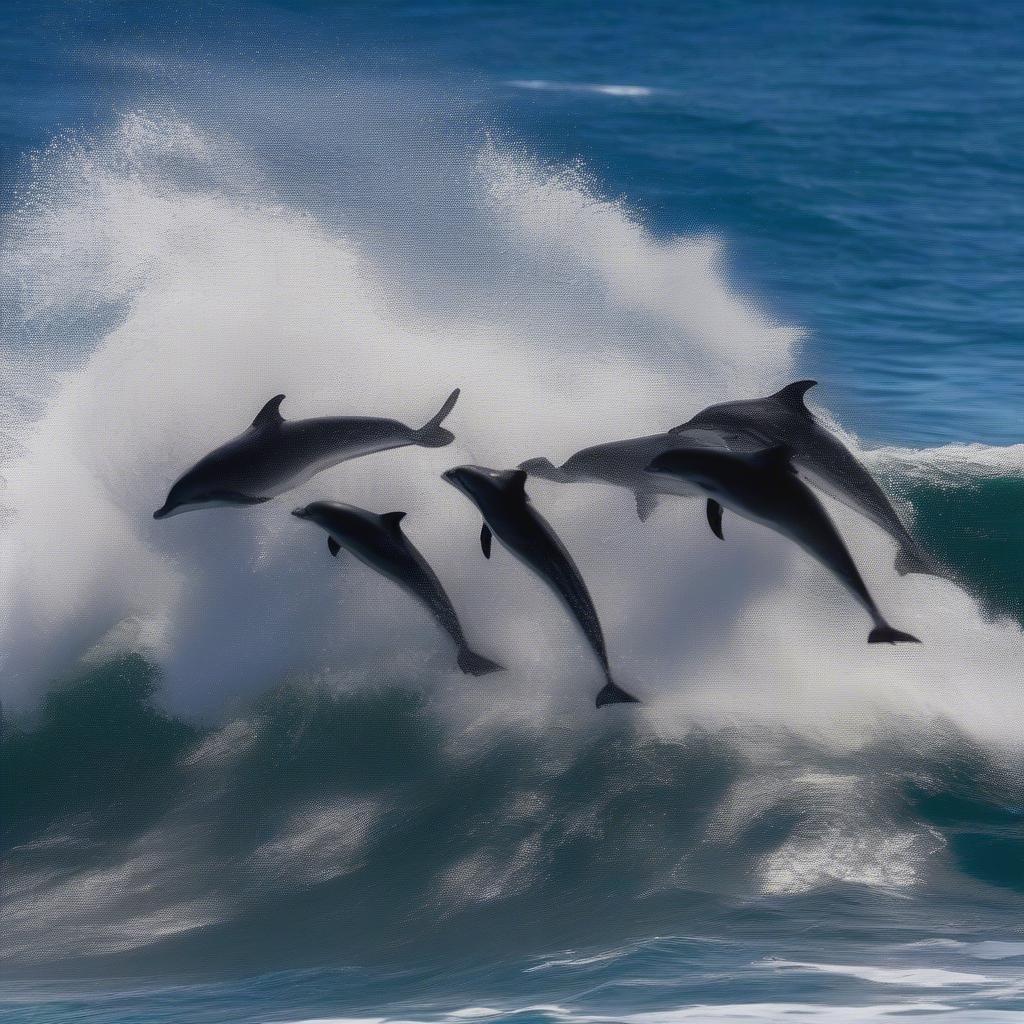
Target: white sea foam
column 909, row 977
column 924, row 1012
column 950, row 463
column 543, row 85
column 582, row 327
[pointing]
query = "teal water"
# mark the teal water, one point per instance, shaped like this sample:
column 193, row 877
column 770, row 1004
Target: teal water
column 211, row 811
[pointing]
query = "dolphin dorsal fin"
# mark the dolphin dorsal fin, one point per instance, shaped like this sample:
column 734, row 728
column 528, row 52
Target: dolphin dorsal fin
column 270, row 414
column 517, row 482
column 792, row 395
column 392, row 520
column 779, row 456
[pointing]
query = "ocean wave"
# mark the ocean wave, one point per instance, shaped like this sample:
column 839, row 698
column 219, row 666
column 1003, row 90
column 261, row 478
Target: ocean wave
column 221, row 295
column 269, row 736
column 174, row 842
column 953, row 464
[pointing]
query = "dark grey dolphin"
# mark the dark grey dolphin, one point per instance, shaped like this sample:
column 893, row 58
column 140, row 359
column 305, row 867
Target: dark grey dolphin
column 764, row 486
column 274, row 455
column 819, row 456
column 501, row 497
column 746, row 426
column 378, row 541
column 621, row 464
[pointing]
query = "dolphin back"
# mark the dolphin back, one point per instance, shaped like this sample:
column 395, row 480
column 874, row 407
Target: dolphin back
column 820, row 456
column 552, row 561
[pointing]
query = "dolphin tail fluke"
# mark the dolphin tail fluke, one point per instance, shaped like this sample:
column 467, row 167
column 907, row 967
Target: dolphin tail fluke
column 474, row 664
column 611, row 693
column 909, row 561
column 546, row 470
column 885, row 634
column 432, row 434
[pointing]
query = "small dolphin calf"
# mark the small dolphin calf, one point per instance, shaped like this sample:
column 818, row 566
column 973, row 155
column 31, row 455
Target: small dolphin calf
column 274, row 455
column 501, row 498
column 764, row 487
column 378, row 541
column 819, row 456
column 621, row 464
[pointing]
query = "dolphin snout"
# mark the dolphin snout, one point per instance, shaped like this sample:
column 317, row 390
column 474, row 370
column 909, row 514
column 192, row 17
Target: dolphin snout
column 163, row 512
column 300, row 512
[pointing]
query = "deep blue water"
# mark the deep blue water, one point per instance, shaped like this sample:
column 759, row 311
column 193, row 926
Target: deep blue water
column 864, row 164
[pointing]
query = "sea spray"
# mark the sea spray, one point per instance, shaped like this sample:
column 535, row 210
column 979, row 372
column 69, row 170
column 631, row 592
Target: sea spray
column 224, row 296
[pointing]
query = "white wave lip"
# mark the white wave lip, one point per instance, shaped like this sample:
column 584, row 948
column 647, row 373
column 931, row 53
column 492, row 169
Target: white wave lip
column 597, row 331
column 909, row 977
column 543, row 85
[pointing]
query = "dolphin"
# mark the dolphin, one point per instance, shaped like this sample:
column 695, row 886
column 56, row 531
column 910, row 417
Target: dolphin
column 746, row 426
column 501, row 497
column 378, row 541
column 275, row 455
column 818, row 455
column 621, row 464
column 764, row 486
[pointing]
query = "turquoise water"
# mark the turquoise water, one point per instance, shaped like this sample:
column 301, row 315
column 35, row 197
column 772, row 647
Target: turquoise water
column 228, row 798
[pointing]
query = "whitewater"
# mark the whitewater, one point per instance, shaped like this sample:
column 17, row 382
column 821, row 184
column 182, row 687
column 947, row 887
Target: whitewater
column 300, row 774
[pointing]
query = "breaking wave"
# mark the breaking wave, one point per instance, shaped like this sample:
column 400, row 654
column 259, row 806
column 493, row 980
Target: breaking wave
column 250, row 744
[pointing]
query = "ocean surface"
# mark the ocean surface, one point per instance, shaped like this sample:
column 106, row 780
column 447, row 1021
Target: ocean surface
column 241, row 781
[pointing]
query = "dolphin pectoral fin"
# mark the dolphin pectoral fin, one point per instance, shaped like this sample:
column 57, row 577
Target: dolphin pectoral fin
column 715, row 518
column 646, row 503
column 270, row 414
column 333, row 546
column 485, row 540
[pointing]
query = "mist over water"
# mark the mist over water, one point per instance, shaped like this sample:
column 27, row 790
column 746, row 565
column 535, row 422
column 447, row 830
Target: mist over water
column 235, row 754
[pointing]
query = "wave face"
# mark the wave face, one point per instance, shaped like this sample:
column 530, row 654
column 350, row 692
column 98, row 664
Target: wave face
column 358, row 825
column 260, row 757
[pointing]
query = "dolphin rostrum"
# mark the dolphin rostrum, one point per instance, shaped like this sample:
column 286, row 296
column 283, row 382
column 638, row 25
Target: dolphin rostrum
column 818, row 455
column 379, row 542
column 622, row 464
column 501, row 497
column 275, row 455
column 764, row 486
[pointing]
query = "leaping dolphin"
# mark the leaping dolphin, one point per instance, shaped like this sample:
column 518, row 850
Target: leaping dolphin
column 746, row 426
column 379, row 542
column 274, row 455
column 764, row 486
column 819, row 456
column 502, row 500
